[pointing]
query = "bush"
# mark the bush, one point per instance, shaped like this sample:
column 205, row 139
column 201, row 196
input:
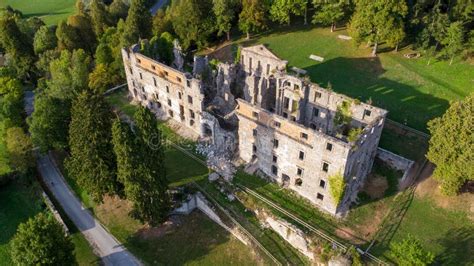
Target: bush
column 337, row 187
column 409, row 251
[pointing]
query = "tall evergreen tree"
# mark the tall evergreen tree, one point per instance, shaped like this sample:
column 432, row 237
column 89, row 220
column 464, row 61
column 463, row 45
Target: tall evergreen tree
column 374, row 21
column 140, row 167
column 252, row 18
column 84, row 30
column 67, row 36
column 150, row 141
column 92, row 162
column 117, row 10
column 99, row 17
column 138, row 23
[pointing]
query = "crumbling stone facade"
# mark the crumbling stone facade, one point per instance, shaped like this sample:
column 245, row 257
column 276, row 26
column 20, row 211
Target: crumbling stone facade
column 293, row 131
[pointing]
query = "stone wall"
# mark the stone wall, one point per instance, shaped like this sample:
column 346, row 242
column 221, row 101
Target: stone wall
column 395, row 161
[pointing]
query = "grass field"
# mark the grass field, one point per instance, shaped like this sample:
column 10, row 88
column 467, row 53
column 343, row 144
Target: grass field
column 413, row 92
column 18, row 203
column 50, row 11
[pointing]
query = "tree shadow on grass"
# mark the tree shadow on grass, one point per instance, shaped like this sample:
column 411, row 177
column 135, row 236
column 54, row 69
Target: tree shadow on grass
column 458, row 247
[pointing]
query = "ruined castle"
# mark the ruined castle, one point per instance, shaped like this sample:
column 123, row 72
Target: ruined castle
column 278, row 124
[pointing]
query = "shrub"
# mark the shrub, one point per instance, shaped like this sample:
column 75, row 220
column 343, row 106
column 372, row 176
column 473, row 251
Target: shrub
column 409, row 251
column 337, row 187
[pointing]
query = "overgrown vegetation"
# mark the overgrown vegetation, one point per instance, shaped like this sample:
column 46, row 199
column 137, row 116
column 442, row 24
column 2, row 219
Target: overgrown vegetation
column 337, row 186
column 409, row 251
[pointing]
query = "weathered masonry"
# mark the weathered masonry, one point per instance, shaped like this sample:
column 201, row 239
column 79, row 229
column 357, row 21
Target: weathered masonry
column 300, row 135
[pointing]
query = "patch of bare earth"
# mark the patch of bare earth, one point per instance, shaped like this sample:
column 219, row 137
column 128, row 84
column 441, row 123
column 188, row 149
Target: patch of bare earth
column 429, row 188
column 376, row 186
column 349, row 234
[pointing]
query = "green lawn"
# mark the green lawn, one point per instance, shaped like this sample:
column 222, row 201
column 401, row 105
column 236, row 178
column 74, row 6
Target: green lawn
column 413, row 92
column 448, row 234
column 51, row 11
column 18, row 203
column 197, row 241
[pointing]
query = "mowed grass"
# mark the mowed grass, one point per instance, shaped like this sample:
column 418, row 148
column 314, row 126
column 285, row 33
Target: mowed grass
column 447, row 233
column 196, row 241
column 50, row 11
column 410, row 90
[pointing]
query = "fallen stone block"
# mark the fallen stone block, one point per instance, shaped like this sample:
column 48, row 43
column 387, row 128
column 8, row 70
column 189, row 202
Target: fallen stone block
column 213, row 177
column 299, row 70
column 344, row 37
column 316, row 58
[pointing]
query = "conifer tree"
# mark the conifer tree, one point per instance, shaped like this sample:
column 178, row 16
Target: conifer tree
column 138, row 24
column 252, row 18
column 92, row 161
column 99, row 17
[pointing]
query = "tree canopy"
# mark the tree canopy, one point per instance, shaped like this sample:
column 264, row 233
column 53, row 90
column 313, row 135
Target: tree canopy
column 92, row 161
column 252, row 18
column 20, row 149
column 42, row 241
column 409, row 251
column 451, row 145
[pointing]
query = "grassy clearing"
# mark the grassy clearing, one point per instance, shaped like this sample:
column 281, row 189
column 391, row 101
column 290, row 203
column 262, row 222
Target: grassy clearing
column 413, row 92
column 200, row 242
column 50, row 11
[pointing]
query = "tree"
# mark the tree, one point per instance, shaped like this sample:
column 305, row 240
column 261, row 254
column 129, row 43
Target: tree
column 17, row 45
column 42, row 241
column 162, row 23
column 45, row 39
column 11, row 102
column 281, row 10
column 453, row 42
column 102, row 78
column 49, row 123
column 451, row 143
column 118, row 10
column 193, row 21
column 69, row 74
column 224, row 10
column 92, row 161
column 99, row 17
column 138, row 23
column 252, row 17
column 103, row 54
column 149, row 140
column 67, row 37
column 329, row 12
column 159, row 48
column 19, row 149
column 84, row 30
column 374, row 21
column 409, row 251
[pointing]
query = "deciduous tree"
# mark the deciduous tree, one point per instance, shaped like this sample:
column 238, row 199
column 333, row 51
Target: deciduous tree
column 19, row 149
column 453, row 41
column 69, row 74
column 49, row 123
column 102, row 78
column 99, row 17
column 45, row 39
column 162, row 22
column 374, row 21
column 409, row 251
column 452, row 139
column 42, row 241
column 11, row 102
column 118, row 10
column 224, row 10
column 252, row 18
column 281, row 10
column 329, row 12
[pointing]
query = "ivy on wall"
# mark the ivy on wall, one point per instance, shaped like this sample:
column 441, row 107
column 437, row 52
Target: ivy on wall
column 337, row 187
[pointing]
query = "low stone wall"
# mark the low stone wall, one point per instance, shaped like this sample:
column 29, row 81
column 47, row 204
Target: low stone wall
column 55, row 212
column 198, row 201
column 294, row 236
column 396, row 161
